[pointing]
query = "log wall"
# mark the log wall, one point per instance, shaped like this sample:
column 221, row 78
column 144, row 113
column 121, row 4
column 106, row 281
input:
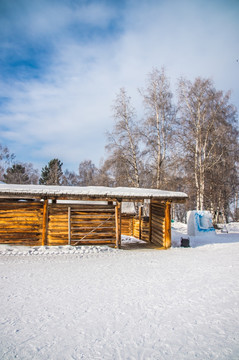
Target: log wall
column 93, row 224
column 130, row 226
column 39, row 223
column 89, row 224
column 21, row 223
column 160, row 224
column 127, row 225
column 36, row 224
column 57, row 227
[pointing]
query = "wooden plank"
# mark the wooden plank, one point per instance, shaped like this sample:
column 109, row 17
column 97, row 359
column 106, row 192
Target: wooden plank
column 158, row 232
column 158, row 223
column 119, row 241
column 167, row 241
column 94, row 211
column 88, row 235
column 109, row 219
column 20, row 223
column 157, row 235
column 95, row 242
column 159, row 219
column 150, row 221
column 88, row 229
column 69, row 225
column 118, row 224
column 44, row 222
column 140, row 220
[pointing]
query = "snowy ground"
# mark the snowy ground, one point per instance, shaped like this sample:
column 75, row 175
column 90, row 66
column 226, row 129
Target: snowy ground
column 100, row 303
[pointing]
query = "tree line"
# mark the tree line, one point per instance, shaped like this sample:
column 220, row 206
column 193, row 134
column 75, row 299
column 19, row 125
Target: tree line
column 190, row 145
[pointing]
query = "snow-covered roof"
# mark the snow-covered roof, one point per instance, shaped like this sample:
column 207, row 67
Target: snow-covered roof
column 87, row 192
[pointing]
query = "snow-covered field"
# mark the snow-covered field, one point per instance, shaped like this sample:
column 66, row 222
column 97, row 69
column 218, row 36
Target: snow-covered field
column 100, row 303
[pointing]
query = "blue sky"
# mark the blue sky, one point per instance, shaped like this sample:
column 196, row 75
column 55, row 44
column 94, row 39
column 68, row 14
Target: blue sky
column 62, row 63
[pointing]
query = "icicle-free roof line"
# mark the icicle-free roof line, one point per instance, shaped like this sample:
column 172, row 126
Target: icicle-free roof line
column 88, row 192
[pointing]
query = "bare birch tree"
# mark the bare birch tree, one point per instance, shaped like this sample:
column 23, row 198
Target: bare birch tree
column 21, row 173
column 205, row 119
column 123, row 141
column 156, row 128
column 6, row 159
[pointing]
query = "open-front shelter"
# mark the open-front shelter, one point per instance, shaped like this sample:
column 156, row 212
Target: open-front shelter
column 38, row 215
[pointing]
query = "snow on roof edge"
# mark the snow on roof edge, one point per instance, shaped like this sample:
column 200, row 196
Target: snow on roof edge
column 87, row 191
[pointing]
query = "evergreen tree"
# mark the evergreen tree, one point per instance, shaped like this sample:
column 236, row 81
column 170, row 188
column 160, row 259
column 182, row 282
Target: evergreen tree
column 52, row 173
column 16, row 175
column 21, row 173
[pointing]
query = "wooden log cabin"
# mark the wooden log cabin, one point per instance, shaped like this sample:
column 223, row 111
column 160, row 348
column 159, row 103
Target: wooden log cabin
column 40, row 215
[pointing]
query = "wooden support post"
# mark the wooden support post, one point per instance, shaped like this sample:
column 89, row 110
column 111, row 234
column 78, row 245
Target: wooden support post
column 118, row 224
column 69, row 225
column 140, row 222
column 45, row 222
column 150, row 221
column 167, row 240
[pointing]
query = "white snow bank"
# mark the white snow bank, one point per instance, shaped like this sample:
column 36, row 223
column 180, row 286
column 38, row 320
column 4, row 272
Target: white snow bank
column 13, row 250
column 233, row 227
column 180, row 230
column 126, row 240
column 53, row 250
column 177, row 304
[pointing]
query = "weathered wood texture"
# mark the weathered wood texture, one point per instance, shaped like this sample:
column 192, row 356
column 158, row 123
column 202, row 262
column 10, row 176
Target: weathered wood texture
column 118, row 224
column 127, row 225
column 145, row 228
column 161, row 224
column 130, row 226
column 89, row 224
column 33, row 223
column 21, row 223
column 45, row 222
column 167, row 243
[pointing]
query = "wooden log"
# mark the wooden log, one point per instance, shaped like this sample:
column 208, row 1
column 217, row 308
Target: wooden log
column 94, row 221
column 88, row 229
column 158, row 237
column 158, row 208
column 24, row 242
column 158, row 205
column 69, row 225
column 167, row 243
column 58, row 237
column 158, row 232
column 158, row 213
column 17, row 217
column 87, row 233
column 44, row 222
column 79, row 207
column 94, row 242
column 118, row 224
column 150, row 221
column 158, row 243
column 157, row 223
column 92, row 210
column 159, row 219
column 140, row 220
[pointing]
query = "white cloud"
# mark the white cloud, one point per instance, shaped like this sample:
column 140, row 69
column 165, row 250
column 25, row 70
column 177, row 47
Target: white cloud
column 66, row 113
